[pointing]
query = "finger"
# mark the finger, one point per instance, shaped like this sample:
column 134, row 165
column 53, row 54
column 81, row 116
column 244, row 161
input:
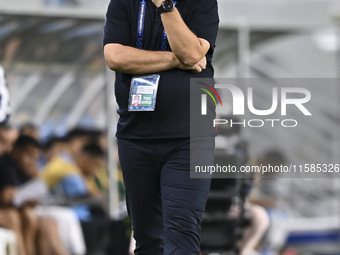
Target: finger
column 194, row 68
column 197, row 69
column 204, row 62
column 202, row 65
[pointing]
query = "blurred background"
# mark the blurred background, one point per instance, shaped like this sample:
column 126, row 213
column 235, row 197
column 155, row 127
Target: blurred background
column 62, row 95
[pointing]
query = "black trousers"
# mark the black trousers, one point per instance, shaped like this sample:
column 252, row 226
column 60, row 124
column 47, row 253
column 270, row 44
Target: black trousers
column 165, row 205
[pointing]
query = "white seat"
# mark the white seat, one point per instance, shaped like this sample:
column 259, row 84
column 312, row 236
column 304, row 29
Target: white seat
column 8, row 242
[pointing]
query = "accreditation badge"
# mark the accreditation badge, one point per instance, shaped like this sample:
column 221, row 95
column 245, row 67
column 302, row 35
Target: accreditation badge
column 143, row 93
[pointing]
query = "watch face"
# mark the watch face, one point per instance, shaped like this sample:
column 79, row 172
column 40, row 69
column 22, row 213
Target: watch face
column 168, row 5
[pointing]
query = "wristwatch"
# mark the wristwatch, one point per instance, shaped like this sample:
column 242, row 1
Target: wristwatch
column 166, row 6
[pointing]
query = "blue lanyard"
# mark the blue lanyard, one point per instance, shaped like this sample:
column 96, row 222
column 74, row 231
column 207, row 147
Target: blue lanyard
column 140, row 29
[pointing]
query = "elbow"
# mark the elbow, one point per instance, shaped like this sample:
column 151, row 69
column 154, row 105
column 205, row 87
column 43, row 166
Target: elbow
column 192, row 56
column 113, row 64
column 190, row 59
column 113, row 58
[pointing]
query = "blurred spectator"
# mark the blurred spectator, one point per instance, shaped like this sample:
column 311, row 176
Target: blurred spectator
column 31, row 130
column 52, row 148
column 102, row 180
column 69, row 227
column 268, row 188
column 90, row 162
column 8, row 135
column 77, row 179
column 265, row 191
column 252, row 235
column 64, row 158
column 68, row 222
column 256, row 207
column 77, row 139
column 17, row 168
column 99, row 137
column 72, row 175
column 71, row 155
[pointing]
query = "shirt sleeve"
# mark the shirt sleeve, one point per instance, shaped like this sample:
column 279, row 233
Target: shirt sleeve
column 117, row 25
column 204, row 22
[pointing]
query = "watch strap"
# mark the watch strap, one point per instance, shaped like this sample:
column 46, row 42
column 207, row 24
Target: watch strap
column 161, row 9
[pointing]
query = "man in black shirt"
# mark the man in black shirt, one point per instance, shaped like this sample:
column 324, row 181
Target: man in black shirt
column 19, row 166
column 16, row 168
column 175, row 40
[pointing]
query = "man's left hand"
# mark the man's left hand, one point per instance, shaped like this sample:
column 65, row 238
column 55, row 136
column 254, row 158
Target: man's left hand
column 157, row 2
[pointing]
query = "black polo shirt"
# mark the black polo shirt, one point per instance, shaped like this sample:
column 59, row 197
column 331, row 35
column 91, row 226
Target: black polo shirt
column 171, row 118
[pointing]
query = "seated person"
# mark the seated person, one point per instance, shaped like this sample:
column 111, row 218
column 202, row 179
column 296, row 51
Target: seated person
column 90, row 163
column 16, row 169
column 51, row 149
column 78, row 180
column 62, row 160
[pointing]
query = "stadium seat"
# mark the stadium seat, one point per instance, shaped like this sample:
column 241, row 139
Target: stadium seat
column 8, row 243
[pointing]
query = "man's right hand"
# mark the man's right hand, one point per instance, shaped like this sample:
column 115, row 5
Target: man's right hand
column 197, row 68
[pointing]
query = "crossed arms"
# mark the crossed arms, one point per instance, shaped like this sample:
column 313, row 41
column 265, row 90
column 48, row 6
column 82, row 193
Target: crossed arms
column 188, row 51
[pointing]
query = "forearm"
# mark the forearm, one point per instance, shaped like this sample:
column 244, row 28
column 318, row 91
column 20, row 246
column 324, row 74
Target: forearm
column 186, row 46
column 130, row 60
